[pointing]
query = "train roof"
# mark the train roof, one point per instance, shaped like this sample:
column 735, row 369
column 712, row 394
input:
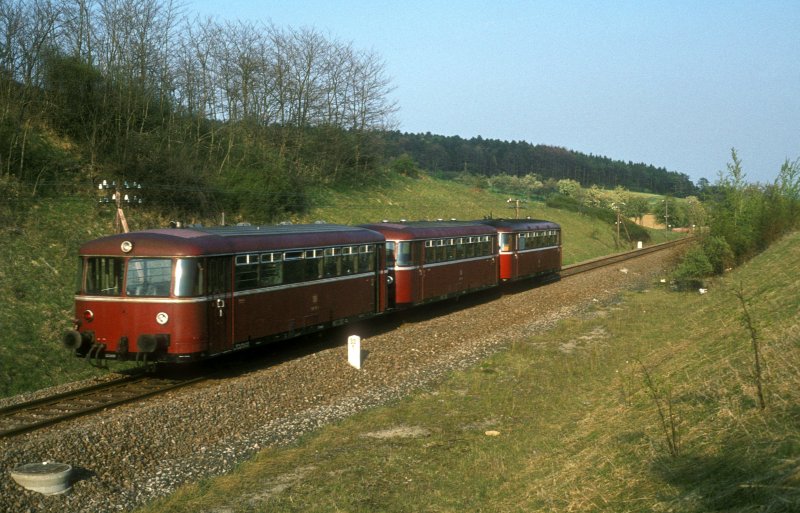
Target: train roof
column 196, row 241
column 521, row 225
column 430, row 229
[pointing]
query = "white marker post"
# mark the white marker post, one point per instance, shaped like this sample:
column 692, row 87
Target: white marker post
column 354, row 351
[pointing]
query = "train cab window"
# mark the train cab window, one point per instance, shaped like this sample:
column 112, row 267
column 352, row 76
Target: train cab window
column 104, row 276
column 188, row 277
column 148, row 277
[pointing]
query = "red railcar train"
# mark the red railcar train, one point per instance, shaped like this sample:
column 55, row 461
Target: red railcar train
column 186, row 294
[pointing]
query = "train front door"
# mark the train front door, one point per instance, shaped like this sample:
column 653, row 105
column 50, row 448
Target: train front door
column 220, row 305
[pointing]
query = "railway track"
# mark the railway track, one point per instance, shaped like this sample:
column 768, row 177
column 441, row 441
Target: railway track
column 588, row 265
column 39, row 413
column 32, row 415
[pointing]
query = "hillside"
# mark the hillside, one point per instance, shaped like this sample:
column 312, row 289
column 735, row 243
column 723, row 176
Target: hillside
column 39, row 253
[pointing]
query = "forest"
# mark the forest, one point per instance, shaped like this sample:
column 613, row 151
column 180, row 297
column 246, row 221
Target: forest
column 490, row 157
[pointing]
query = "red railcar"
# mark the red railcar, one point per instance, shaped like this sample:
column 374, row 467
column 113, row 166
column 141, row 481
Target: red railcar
column 428, row 261
column 528, row 247
column 185, row 294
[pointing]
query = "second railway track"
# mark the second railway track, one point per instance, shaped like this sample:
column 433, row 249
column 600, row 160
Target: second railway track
column 47, row 411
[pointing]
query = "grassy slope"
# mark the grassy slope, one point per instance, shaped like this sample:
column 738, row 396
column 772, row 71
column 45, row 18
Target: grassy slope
column 37, row 260
column 579, row 426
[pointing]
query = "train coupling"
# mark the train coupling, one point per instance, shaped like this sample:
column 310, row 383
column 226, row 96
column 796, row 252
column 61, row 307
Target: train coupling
column 80, row 342
column 97, row 352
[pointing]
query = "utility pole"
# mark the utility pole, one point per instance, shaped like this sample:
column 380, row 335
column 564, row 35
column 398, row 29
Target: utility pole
column 516, row 206
column 616, row 208
column 118, row 197
column 666, row 217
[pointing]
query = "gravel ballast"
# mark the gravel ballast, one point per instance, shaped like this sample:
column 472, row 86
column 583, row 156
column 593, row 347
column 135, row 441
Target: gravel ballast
column 129, row 455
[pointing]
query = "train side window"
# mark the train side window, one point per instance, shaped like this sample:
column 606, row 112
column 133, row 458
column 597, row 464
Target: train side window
column 450, row 249
column 469, row 247
column 270, row 271
column 293, row 267
column 219, row 275
column 366, row 258
column 522, row 239
column 332, row 262
column 460, row 248
column 404, row 254
column 246, row 271
column 349, row 260
column 313, row 267
column 389, row 254
column 104, row 275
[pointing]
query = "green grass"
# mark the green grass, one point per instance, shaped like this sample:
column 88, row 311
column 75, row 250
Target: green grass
column 39, row 257
column 428, row 198
column 578, row 423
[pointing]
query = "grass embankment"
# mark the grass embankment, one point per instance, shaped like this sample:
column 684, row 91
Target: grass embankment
column 38, row 258
column 648, row 405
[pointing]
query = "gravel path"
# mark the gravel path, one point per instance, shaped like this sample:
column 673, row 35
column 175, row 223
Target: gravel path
column 132, row 454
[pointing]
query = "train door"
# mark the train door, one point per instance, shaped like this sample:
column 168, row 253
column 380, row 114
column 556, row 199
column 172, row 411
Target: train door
column 421, row 252
column 220, row 305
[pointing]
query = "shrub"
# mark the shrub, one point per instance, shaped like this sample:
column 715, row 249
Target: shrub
column 694, row 267
column 718, row 253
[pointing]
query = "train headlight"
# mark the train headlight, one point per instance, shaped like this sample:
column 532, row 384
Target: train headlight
column 88, row 315
column 126, row 246
column 162, row 318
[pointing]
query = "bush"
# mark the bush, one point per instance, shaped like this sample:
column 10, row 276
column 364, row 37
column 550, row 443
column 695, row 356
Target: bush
column 261, row 196
column 718, row 253
column 692, row 270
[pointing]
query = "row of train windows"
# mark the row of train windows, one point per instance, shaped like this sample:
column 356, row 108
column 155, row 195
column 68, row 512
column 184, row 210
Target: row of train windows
column 256, row 270
column 533, row 240
column 443, row 250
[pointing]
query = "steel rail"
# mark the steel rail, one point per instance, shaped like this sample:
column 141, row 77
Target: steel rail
column 29, row 416
column 588, row 265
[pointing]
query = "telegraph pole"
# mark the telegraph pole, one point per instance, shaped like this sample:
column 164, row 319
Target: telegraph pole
column 118, row 197
column 516, row 206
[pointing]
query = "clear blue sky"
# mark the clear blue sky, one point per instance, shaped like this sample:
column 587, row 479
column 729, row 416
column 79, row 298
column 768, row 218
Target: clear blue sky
column 675, row 84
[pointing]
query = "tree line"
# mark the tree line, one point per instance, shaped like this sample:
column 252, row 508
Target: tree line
column 489, row 157
column 184, row 104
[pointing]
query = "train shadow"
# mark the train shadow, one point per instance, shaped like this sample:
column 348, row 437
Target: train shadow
column 278, row 352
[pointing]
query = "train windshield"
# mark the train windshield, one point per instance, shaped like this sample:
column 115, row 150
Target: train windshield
column 148, row 277
column 104, row 275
